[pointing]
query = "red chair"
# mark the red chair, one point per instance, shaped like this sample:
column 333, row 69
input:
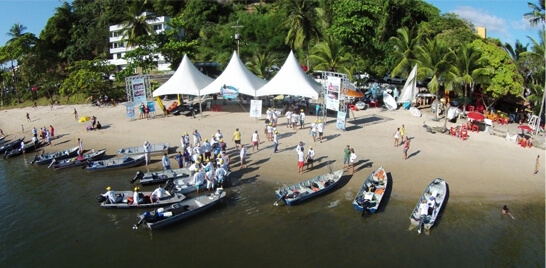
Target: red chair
column 470, row 108
column 219, row 108
column 474, row 127
column 214, row 108
column 452, row 132
column 373, row 103
column 464, row 134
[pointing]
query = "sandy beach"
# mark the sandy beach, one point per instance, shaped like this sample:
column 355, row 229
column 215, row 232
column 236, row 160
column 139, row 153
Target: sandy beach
column 484, row 166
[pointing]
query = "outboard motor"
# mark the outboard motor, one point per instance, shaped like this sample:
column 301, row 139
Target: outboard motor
column 139, row 175
column 169, row 186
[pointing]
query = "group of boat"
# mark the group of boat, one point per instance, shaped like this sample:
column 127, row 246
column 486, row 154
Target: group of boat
column 369, row 196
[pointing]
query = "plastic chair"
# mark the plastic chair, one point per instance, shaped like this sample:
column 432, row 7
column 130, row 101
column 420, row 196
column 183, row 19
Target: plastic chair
column 373, row 104
column 214, row 108
column 219, row 108
column 464, row 135
column 470, row 108
column 452, row 132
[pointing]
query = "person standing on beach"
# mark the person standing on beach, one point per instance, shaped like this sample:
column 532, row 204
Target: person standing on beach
column 242, row 155
column 166, row 162
column 237, row 138
column 275, row 141
column 301, row 159
column 302, row 118
column 397, row 137
column 314, row 130
column 352, row 160
column 255, row 140
column 537, row 164
column 406, row 148
column 75, row 114
column 402, row 131
column 52, row 130
column 179, row 159
column 28, row 118
column 346, row 156
column 196, row 137
column 310, row 157
column 320, row 129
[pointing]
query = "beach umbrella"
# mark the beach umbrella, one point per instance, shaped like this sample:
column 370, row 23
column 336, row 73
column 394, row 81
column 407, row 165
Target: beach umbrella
column 84, row 119
column 353, row 93
column 475, row 116
column 279, row 97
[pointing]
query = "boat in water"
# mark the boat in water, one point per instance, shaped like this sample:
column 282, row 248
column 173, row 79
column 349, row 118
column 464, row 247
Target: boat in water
column 370, row 194
column 60, row 155
column 160, row 176
column 313, row 187
column 115, row 163
column 28, row 147
column 429, row 205
column 124, row 200
column 155, row 149
column 180, row 211
column 10, row 145
column 77, row 161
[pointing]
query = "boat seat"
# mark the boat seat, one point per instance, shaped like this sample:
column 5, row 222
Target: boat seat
column 199, row 203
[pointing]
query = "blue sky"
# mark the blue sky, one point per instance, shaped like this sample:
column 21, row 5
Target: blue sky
column 503, row 19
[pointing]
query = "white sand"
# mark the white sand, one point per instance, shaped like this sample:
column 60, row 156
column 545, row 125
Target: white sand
column 483, row 166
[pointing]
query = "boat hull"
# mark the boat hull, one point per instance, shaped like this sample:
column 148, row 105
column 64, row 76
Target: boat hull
column 156, row 149
column 75, row 162
column 47, row 158
column 369, row 200
column 308, row 189
column 174, row 198
column 116, row 163
column 438, row 189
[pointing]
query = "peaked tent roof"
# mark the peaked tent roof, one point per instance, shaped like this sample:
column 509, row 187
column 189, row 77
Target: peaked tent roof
column 186, row 80
column 291, row 80
column 410, row 88
column 236, row 75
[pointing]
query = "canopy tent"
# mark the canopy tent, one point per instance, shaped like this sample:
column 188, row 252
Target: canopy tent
column 186, row 80
column 291, row 80
column 410, row 88
column 235, row 75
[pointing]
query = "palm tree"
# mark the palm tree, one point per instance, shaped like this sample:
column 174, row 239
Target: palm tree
column 436, row 60
column 332, row 56
column 536, row 16
column 261, row 64
column 470, row 65
column 405, row 49
column 300, row 17
column 537, row 55
column 135, row 22
column 15, row 32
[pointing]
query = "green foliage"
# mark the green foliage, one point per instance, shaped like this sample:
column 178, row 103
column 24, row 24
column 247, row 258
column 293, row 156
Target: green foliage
column 330, row 55
column 88, row 78
column 450, row 29
column 405, row 51
column 504, row 77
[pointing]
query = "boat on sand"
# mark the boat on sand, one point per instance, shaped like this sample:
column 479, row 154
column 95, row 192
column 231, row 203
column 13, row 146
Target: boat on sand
column 370, row 194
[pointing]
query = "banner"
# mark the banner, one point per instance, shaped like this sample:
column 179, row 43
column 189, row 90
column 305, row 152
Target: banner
column 151, row 107
column 332, row 93
column 229, row 92
column 256, row 108
column 130, row 111
column 139, row 91
column 340, row 123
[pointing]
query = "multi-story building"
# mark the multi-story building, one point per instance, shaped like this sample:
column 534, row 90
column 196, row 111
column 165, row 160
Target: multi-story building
column 118, row 45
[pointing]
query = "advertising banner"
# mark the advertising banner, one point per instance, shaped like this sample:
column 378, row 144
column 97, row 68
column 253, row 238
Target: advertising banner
column 340, row 123
column 332, row 93
column 139, row 91
column 130, row 111
column 229, row 92
column 256, row 108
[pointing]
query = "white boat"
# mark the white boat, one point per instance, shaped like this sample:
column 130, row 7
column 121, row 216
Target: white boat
column 158, row 148
column 369, row 197
column 299, row 192
column 160, row 176
column 415, row 112
column 433, row 198
column 389, row 101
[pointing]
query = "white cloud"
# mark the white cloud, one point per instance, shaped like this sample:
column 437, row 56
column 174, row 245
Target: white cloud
column 478, row 17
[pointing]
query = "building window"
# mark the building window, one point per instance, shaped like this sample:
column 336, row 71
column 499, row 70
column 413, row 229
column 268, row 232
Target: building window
column 118, row 56
column 158, row 27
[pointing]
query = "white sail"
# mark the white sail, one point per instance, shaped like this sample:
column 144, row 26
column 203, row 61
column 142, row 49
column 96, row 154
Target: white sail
column 410, row 88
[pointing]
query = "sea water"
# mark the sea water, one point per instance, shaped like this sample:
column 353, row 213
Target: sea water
column 51, row 218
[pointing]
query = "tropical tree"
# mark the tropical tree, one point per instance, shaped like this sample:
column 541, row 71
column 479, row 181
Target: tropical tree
column 261, row 65
column 332, row 56
column 300, row 17
column 536, row 64
column 536, row 16
column 470, row 66
column 436, row 61
column 135, row 22
column 87, row 77
column 405, row 50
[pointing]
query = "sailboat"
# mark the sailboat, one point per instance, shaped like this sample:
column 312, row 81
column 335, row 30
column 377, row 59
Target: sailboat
column 410, row 89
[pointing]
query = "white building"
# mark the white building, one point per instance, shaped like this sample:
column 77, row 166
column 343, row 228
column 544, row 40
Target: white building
column 118, row 46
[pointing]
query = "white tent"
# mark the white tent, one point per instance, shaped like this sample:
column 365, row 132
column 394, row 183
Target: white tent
column 238, row 76
column 186, row 80
column 291, row 80
column 410, row 88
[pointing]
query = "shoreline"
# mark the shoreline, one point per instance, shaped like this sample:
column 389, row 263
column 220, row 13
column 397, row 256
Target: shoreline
column 484, row 166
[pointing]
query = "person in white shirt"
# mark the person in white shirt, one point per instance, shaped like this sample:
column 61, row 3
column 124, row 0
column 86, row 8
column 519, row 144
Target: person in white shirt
column 275, row 116
column 110, row 194
column 166, row 162
column 209, row 176
column 269, row 129
column 320, row 129
column 300, row 146
column 157, row 194
column 242, row 155
column 219, row 135
column 295, row 119
column 206, row 149
column 423, row 208
column 136, row 198
column 220, row 175
column 198, row 179
column 255, row 140
column 196, row 137
column 268, row 115
column 310, row 157
column 352, row 160
column 288, row 118
column 147, row 151
column 301, row 160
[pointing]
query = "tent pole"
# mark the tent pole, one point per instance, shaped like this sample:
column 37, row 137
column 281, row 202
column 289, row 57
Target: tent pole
column 200, row 108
